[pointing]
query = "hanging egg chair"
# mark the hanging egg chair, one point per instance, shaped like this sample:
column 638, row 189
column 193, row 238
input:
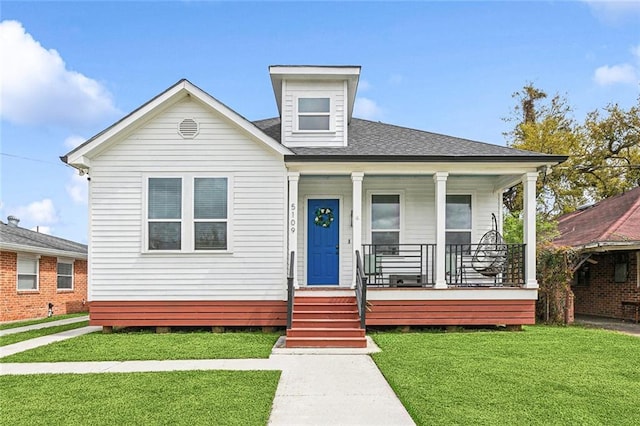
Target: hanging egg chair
column 490, row 256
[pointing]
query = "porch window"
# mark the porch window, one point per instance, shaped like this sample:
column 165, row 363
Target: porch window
column 314, row 114
column 27, row 273
column 165, row 214
column 385, row 223
column 210, row 213
column 65, row 275
column 458, row 221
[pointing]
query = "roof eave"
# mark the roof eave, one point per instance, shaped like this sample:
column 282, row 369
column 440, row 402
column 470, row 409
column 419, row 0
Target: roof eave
column 543, row 160
column 603, row 246
column 42, row 251
column 81, row 155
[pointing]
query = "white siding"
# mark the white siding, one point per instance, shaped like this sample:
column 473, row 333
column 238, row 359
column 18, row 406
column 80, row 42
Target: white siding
column 417, row 210
column 254, row 270
column 336, row 90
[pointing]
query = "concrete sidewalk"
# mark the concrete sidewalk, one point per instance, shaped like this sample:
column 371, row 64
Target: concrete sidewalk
column 43, row 325
column 44, row 340
column 334, row 390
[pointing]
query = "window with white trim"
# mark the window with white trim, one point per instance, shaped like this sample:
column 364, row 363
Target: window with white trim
column 385, row 222
column 314, row 114
column 65, row 274
column 164, row 214
column 27, row 273
column 187, row 213
column 210, row 213
column 458, row 221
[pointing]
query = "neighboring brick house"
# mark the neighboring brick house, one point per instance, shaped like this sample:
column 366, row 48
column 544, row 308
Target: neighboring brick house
column 39, row 270
column 607, row 235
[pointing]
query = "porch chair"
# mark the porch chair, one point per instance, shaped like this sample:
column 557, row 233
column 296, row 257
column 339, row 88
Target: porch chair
column 490, row 256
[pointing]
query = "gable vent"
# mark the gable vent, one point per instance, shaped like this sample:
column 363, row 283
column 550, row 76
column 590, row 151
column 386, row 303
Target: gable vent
column 188, row 128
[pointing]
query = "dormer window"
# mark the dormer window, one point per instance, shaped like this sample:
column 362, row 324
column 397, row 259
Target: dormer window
column 314, row 114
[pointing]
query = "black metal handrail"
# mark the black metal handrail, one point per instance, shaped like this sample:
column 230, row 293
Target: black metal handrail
column 361, row 290
column 290, row 290
column 413, row 265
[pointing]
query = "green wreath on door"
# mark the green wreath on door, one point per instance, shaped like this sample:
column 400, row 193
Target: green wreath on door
column 324, row 217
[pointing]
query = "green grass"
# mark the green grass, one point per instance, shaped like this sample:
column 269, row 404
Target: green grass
column 32, row 334
column 147, row 345
column 544, row 375
column 17, row 324
column 173, row 398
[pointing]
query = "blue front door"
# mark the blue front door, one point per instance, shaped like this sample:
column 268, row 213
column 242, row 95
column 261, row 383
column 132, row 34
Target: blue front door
column 323, row 248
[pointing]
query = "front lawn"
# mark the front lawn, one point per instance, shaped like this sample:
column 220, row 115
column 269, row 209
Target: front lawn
column 147, row 345
column 32, row 334
column 171, row 398
column 543, row 375
column 17, row 324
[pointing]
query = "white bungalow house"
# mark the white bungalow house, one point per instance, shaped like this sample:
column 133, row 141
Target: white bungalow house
column 196, row 213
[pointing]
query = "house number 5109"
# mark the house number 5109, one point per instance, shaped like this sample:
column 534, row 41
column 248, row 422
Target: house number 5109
column 292, row 221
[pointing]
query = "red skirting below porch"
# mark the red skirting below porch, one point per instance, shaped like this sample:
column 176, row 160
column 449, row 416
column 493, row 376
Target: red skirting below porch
column 220, row 313
column 451, row 312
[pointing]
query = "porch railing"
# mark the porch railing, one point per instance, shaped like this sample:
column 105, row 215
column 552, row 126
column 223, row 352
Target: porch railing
column 413, row 265
column 361, row 290
column 290, row 291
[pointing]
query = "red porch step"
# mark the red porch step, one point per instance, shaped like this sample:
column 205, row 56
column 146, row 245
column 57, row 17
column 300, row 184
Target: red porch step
column 326, row 332
column 325, row 322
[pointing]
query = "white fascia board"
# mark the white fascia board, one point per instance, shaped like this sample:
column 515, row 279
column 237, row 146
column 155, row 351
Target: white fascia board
column 88, row 150
column 19, row 248
column 312, row 71
column 179, row 91
column 412, row 168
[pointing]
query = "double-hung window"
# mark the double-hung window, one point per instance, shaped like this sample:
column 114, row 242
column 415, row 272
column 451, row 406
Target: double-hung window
column 458, row 222
column 27, row 273
column 165, row 214
column 187, row 213
column 65, row 275
column 210, row 213
column 385, row 223
column 314, row 114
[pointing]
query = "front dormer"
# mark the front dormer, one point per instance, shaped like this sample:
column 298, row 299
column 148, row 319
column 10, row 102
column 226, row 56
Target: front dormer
column 315, row 103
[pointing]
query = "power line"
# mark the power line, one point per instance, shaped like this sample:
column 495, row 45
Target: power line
column 33, row 159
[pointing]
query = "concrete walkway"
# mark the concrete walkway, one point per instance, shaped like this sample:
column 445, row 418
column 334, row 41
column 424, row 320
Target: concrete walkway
column 317, row 386
column 44, row 325
column 626, row 327
column 44, row 340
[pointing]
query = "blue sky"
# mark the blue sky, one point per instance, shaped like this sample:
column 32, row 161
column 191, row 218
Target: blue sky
column 70, row 69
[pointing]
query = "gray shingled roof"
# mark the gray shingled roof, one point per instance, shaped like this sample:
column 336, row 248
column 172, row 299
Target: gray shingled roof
column 16, row 236
column 375, row 140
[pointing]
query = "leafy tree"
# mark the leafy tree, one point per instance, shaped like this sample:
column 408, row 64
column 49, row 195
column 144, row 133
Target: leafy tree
column 612, row 147
column 512, row 229
column 550, row 129
column 604, row 152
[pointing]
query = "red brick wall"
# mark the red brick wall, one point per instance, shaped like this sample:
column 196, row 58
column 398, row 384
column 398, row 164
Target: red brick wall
column 603, row 296
column 17, row 305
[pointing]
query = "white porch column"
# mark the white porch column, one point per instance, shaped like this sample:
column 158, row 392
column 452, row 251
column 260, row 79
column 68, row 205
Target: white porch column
column 529, row 225
column 356, row 220
column 292, row 222
column 440, row 179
